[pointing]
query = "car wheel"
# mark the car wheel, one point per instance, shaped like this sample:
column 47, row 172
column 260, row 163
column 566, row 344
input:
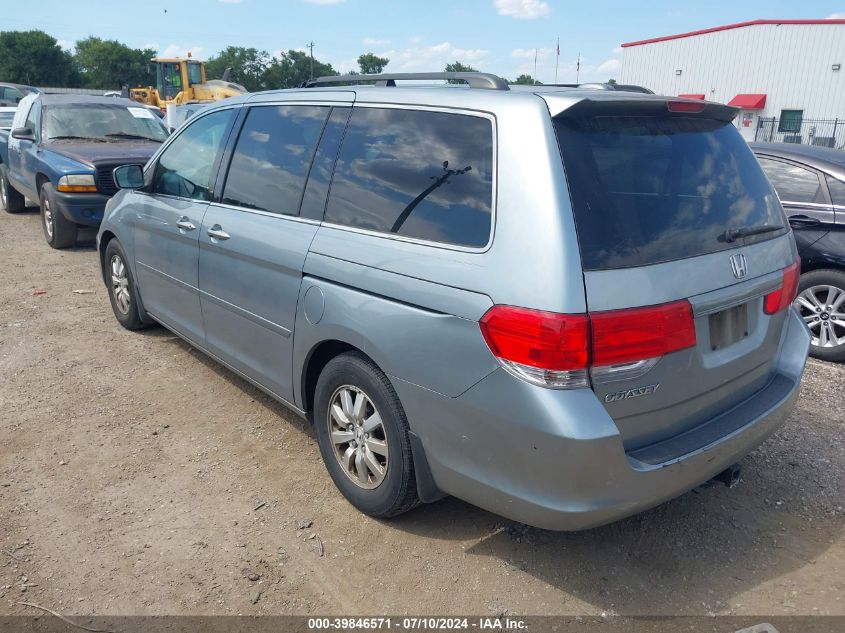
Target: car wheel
column 362, row 432
column 10, row 199
column 58, row 230
column 122, row 290
column 821, row 303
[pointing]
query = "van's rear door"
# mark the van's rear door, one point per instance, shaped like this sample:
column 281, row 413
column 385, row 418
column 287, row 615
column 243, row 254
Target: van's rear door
column 670, row 205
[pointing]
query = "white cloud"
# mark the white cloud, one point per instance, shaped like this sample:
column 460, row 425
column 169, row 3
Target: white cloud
column 610, row 66
column 66, row 44
column 618, row 50
column 528, row 53
column 324, row 1
column 231, row 1
column 836, row 16
column 433, row 57
column 372, row 41
column 177, row 50
column 522, row 9
column 469, row 54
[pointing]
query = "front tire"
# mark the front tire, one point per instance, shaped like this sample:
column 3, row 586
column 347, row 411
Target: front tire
column 362, row 432
column 122, row 291
column 58, row 230
column 11, row 200
column 821, row 303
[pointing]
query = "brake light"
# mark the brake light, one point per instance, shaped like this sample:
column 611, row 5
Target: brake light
column 783, row 297
column 626, row 336
column 686, row 106
column 556, row 350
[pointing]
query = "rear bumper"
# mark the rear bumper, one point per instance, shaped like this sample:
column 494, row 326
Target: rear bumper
column 555, row 459
column 85, row 209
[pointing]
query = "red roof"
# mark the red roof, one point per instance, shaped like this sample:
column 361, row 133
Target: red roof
column 692, row 96
column 730, row 26
column 748, row 102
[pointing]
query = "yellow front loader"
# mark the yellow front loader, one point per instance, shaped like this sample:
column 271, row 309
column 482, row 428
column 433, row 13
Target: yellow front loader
column 182, row 80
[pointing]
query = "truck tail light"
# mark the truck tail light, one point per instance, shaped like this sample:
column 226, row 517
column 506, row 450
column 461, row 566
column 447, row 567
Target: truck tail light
column 783, row 297
column 557, row 350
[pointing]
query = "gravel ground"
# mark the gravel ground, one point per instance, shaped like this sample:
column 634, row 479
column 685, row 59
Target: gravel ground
column 139, row 477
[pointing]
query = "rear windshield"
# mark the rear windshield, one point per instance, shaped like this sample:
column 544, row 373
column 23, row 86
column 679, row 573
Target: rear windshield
column 649, row 189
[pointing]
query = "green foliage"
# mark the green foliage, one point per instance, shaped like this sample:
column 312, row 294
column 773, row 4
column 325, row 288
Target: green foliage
column 371, row 64
column 35, row 58
column 249, row 66
column 525, row 80
column 458, row 67
column 612, row 82
column 110, row 64
column 291, row 69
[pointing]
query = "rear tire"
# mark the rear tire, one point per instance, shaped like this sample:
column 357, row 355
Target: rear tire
column 363, row 436
column 122, row 290
column 10, row 199
column 58, row 230
column 821, row 303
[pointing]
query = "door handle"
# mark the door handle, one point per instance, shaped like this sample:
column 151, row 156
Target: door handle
column 216, row 232
column 185, row 224
column 803, row 221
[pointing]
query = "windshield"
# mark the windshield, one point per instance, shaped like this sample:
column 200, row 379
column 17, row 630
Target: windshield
column 653, row 189
column 102, row 122
column 6, row 118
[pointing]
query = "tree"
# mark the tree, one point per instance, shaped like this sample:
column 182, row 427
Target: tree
column 371, row 64
column 612, row 82
column 110, row 64
column 249, row 66
column 292, row 69
column 458, row 67
column 33, row 57
column 525, row 80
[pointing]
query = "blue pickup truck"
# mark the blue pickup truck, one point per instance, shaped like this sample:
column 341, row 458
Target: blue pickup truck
column 61, row 152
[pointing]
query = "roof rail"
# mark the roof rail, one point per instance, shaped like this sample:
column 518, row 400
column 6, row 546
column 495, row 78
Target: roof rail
column 483, row 81
column 603, row 86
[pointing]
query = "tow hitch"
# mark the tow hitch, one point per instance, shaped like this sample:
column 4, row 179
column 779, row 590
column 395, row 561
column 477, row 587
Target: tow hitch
column 729, row 476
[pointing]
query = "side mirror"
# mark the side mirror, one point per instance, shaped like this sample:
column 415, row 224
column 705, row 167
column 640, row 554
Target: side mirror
column 129, row 176
column 23, row 134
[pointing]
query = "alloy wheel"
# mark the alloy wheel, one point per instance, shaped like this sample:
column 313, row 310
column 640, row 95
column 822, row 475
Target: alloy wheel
column 120, row 284
column 823, row 310
column 358, row 436
column 48, row 218
column 3, row 201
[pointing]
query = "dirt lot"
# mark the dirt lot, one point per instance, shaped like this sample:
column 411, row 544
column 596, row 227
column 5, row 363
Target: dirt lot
column 132, row 469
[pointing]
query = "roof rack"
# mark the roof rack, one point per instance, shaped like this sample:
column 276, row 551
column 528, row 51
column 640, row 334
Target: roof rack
column 482, row 81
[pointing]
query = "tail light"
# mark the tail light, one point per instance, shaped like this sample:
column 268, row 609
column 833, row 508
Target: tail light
column 783, row 297
column 557, row 350
column 686, row 106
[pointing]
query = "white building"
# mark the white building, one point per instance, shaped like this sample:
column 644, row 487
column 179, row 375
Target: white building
column 787, row 76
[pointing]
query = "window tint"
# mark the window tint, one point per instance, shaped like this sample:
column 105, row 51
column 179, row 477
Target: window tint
column 272, row 156
column 793, row 183
column 314, row 200
column 426, row 175
column 653, row 189
column 185, row 167
column 837, row 191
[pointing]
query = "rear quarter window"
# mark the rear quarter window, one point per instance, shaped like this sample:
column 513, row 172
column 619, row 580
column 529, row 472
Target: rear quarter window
column 650, row 189
column 417, row 174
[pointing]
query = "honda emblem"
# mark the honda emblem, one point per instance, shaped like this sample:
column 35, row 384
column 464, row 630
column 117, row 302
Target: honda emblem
column 739, row 265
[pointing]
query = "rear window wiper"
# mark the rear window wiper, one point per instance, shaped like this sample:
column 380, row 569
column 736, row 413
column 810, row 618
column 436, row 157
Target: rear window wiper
column 132, row 136
column 734, row 233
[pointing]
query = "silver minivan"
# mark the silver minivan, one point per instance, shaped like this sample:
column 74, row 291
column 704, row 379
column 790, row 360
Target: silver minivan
column 564, row 305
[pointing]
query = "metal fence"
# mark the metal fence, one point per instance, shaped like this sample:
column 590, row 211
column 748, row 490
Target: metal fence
column 821, row 132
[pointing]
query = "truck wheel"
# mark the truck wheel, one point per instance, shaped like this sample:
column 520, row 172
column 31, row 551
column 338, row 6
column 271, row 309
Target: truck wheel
column 122, row 290
column 10, row 199
column 363, row 436
column 58, row 230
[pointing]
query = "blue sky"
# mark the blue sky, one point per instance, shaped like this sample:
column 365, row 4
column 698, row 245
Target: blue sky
column 498, row 36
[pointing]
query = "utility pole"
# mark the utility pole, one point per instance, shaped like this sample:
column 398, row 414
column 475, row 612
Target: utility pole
column 578, row 70
column 535, row 66
column 311, row 46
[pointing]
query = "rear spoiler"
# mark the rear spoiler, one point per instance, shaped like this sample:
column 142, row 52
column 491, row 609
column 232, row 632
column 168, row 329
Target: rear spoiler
column 603, row 104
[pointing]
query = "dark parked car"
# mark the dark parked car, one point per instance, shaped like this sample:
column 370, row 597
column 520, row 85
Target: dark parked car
column 11, row 94
column 811, row 184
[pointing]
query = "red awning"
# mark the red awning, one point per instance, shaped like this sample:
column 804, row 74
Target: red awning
column 692, row 96
column 748, row 102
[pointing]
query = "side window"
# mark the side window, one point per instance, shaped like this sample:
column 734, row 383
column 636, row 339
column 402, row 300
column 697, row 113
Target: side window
column 837, row 191
column 13, row 94
column 272, row 157
column 185, row 168
column 419, row 174
column 793, row 183
column 32, row 119
column 319, row 178
column 790, row 120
